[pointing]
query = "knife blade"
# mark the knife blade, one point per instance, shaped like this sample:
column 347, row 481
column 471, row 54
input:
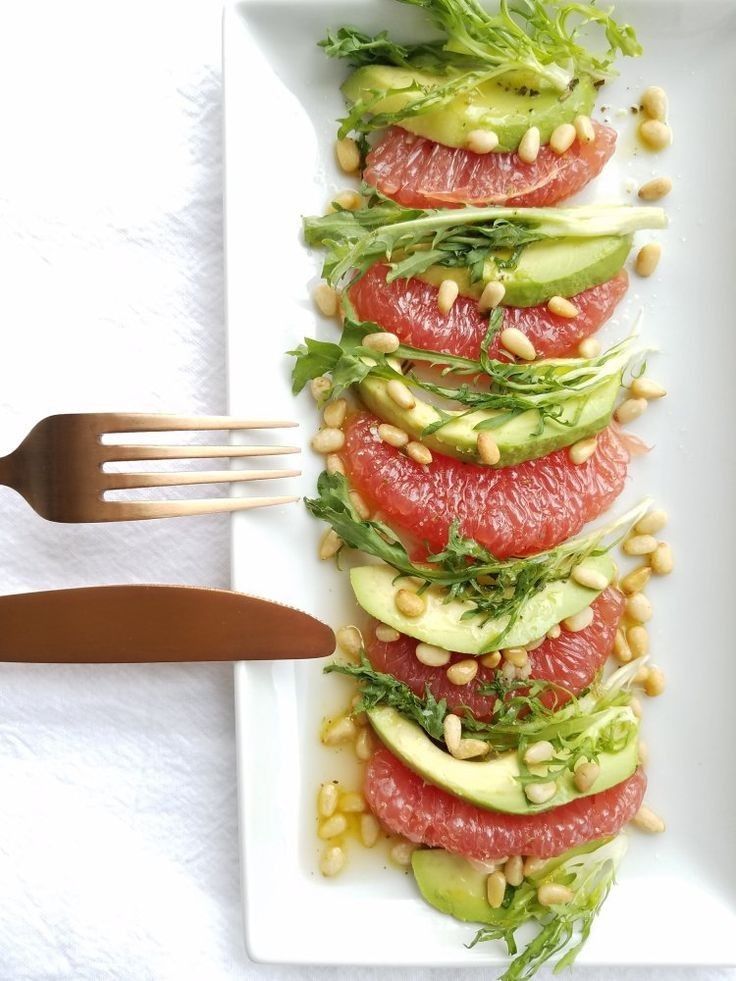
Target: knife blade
column 153, row 623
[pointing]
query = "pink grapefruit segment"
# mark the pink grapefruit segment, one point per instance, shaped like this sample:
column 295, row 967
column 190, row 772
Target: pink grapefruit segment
column 420, row 173
column 406, row 805
column 571, row 661
column 513, row 511
column 408, row 308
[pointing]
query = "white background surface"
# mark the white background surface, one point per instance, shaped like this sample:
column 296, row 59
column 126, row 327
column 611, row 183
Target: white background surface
column 118, row 847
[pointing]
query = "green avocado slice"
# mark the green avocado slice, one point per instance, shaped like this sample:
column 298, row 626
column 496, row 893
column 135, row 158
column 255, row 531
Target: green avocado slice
column 551, row 267
column 442, row 622
column 493, row 784
column 517, row 439
column 506, row 111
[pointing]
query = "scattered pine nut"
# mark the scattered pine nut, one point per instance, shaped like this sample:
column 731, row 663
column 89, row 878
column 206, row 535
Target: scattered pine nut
column 401, row 853
column 647, row 259
column 447, row 294
column 495, row 889
column 637, row 579
column 638, row 640
column 584, row 129
column 652, row 522
column 319, row 387
column 359, row 718
column 481, row 141
column 400, row 394
column 516, row 656
column 534, row 644
column 554, row 894
column 470, row 749
column 327, row 800
column 393, row 435
column 639, row 608
column 654, row 102
column 579, row 621
column 646, row 820
column 645, row 388
column 590, row 347
column 452, row 730
column 541, row 793
column 462, row 672
column 514, row 870
column 641, row 675
column 532, row 865
column 529, row 146
column 334, row 464
column 364, row 745
column 341, row 731
column 488, row 450
column 655, row 683
column 382, row 341
column 332, row 827
column 386, row 634
column 583, row 450
column 332, row 861
column 655, row 189
column 562, row 138
column 585, row 776
column 662, row 560
column 655, row 134
column 554, row 632
column 491, row 660
column 369, row 830
column 630, row 409
column 348, row 155
column 539, row 752
column 433, row 657
column 409, row 603
column 352, row 802
column 334, row 413
column 328, row 440
column 361, row 508
column 330, row 545
column 590, row 578
column 493, row 293
column 635, row 706
column 621, row 649
column 561, row 307
column 419, row 453
column 349, row 200
column 349, row 640
column 639, row 545
column 518, row 344
column 326, row 299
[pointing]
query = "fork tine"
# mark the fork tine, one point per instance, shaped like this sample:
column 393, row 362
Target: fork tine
column 134, row 422
column 125, row 451
column 143, row 510
column 124, row 481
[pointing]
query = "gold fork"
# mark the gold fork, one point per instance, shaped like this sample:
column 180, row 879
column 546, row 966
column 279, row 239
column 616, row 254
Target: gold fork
column 58, row 468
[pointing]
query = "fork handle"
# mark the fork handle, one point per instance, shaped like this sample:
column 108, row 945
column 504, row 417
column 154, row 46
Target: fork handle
column 8, row 470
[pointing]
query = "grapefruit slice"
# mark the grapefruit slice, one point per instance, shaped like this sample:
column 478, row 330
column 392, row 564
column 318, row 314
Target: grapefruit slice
column 406, row 805
column 513, row 511
column 408, row 308
column 571, row 661
column 420, row 173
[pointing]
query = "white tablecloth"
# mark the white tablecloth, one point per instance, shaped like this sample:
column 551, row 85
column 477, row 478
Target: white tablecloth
column 118, row 845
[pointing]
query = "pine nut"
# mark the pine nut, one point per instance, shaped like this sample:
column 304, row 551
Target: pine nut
column 349, row 640
column 518, row 344
column 382, row 341
column 647, row 259
column 328, row 440
column 332, row 861
column 462, row 672
column 330, row 545
column 359, row 505
column 409, row 603
column 562, row 307
column 516, row 656
column 655, row 189
column 481, row 141
column 364, row 745
column 562, row 138
column 638, row 608
column 400, row 394
column 488, row 451
column 541, row 793
column 579, row 621
column 327, row 800
column 493, row 293
column 514, row 870
column 554, row 632
column 334, row 413
column 539, row 752
column 585, row 776
column 452, row 730
column 532, row 865
column 655, row 683
column 630, row 409
column 334, row 464
column 341, row 731
column 635, row 706
column 655, row 134
column 327, row 299
column 401, row 853
column 589, row 348
column 583, row 450
column 662, row 561
column 393, row 435
column 433, row 657
column 359, row 718
column 590, row 578
column 654, row 102
column 369, row 830
column 584, row 129
column 641, row 675
column 348, row 155
column 646, row 820
column 534, row 645
column 643, row 753
column 352, row 803
column 639, row 545
column 469, row 749
column 495, row 889
column 419, row 453
column 554, row 894
column 386, row 634
column 332, row 827
column 491, row 660
column 621, row 649
column 349, row 200
column 637, row 579
column 446, row 295
column 319, row 387
column 529, row 146
column 652, row 522
column 638, row 640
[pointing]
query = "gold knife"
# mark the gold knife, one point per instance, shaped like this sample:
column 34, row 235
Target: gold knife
column 141, row 623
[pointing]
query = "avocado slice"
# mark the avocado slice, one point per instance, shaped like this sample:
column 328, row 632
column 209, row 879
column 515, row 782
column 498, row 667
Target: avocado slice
column 493, row 105
column 493, row 784
column 442, row 622
column 551, row 267
column 518, row 439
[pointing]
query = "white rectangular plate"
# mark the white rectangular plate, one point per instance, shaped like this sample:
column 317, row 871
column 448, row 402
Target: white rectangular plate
column 676, row 897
